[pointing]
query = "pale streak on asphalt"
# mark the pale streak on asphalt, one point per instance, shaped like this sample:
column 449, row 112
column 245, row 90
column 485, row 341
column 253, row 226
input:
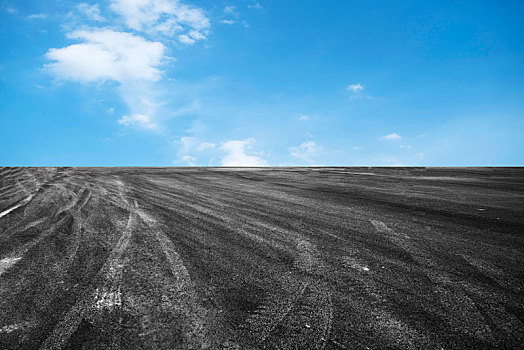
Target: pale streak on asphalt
column 383, row 228
column 184, row 286
column 109, row 295
column 113, row 269
column 21, row 203
column 7, row 263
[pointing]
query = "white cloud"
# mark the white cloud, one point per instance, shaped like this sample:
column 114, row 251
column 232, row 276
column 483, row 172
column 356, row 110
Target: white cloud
column 189, row 160
column 303, row 118
column 184, row 39
column 305, row 151
column 187, row 146
column 195, row 34
column 405, row 146
column 236, row 154
column 230, row 9
column 11, row 10
column 191, row 37
column 92, row 12
column 144, row 97
column 393, row 136
column 107, row 55
column 141, row 120
column 187, row 143
column 205, row 145
column 161, row 16
column 256, row 5
column 126, row 57
column 355, row 87
column 37, row 16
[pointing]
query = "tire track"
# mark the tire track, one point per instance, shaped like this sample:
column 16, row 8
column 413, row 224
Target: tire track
column 20, row 252
column 306, row 317
column 30, row 195
column 106, row 296
column 383, row 228
column 276, row 317
column 7, row 263
column 78, row 222
column 181, row 294
column 20, row 204
column 327, row 315
column 405, row 243
column 304, row 320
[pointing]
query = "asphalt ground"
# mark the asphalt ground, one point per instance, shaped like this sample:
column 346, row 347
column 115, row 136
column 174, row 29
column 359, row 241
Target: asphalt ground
column 261, row 258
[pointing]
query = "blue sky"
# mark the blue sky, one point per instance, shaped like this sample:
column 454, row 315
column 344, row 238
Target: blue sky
column 166, row 82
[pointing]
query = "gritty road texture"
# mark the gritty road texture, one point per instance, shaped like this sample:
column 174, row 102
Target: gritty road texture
column 287, row 258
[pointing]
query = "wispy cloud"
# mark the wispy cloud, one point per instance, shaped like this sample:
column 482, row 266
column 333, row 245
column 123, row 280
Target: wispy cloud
column 393, row 136
column 256, row 6
column 189, row 160
column 140, row 120
column 303, row 117
column 187, row 146
column 231, row 15
column 37, row 16
column 11, row 10
column 356, row 92
column 237, row 156
column 92, row 12
column 205, row 145
column 187, row 143
column 355, row 87
column 166, row 17
column 230, row 9
column 305, row 151
column 186, row 39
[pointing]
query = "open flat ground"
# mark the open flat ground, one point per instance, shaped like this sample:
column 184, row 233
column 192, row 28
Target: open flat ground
column 287, row 258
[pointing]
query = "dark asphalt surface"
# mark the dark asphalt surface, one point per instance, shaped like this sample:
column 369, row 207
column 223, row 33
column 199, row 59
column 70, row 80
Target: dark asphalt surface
column 287, row 258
